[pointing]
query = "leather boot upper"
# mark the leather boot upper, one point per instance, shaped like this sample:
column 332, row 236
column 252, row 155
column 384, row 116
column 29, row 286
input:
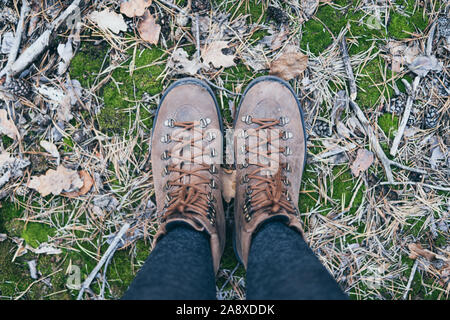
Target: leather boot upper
column 270, row 154
column 186, row 154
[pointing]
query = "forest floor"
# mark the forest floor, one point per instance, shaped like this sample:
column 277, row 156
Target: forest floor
column 375, row 194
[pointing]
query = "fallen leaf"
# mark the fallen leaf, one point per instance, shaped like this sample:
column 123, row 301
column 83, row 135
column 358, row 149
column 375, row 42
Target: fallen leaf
column 56, row 181
column 66, row 54
column 148, row 28
column 423, row 64
column 180, row 63
column 50, row 148
column 401, row 54
column 7, row 42
column 364, row 159
column 289, row 65
column 213, row 53
column 44, row 248
column 134, row 8
column 88, row 182
column 7, row 126
column 229, row 185
column 11, row 167
column 418, row 251
column 110, row 20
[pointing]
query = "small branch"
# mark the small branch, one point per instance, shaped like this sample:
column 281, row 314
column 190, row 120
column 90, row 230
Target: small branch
column 418, row 184
column 430, row 39
column 411, row 277
column 373, row 141
column 112, row 248
column 16, row 45
column 348, row 68
column 405, row 117
column 41, row 43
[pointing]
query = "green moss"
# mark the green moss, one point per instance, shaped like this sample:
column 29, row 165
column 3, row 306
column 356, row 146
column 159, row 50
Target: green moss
column 13, row 275
column 401, row 26
column 114, row 117
column 344, row 188
column 8, row 212
column 315, row 37
column 35, row 233
column 389, row 124
column 308, row 197
column 86, row 64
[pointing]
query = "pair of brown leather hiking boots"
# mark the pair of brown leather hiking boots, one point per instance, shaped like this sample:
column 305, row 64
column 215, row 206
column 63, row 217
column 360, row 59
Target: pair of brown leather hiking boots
column 269, row 152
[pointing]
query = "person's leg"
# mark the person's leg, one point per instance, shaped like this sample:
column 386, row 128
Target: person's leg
column 179, row 267
column 282, row 266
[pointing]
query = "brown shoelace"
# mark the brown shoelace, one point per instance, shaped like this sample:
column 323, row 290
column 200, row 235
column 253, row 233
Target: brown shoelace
column 188, row 197
column 268, row 192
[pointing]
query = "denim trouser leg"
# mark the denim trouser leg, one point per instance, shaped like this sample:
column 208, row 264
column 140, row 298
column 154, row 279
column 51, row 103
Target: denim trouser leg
column 282, row 266
column 179, row 267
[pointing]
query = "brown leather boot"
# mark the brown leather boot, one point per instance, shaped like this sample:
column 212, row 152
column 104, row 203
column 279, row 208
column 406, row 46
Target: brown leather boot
column 186, row 156
column 270, row 151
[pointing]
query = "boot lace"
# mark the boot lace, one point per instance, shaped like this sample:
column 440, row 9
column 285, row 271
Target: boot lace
column 267, row 192
column 195, row 196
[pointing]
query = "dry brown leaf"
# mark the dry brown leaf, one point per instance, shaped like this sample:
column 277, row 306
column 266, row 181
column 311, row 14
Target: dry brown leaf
column 148, row 28
column 88, row 182
column 364, row 159
column 56, row 181
column 110, row 20
column 134, row 8
column 213, row 53
column 289, row 65
column 7, row 126
column 229, row 185
column 418, row 251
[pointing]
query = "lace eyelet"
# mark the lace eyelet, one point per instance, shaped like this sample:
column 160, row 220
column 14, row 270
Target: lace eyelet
column 169, row 123
column 212, row 184
column 213, row 169
column 165, row 155
column 247, row 119
column 286, row 135
column 287, row 151
column 165, row 171
column 287, row 167
column 210, row 136
column 284, row 121
column 166, row 138
column 204, row 122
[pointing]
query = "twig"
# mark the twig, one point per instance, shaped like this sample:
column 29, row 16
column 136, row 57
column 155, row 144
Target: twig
column 418, row 184
column 348, row 68
column 112, row 248
column 38, row 46
column 197, row 36
column 33, row 283
column 16, row 45
column 411, row 277
column 373, row 141
column 406, row 114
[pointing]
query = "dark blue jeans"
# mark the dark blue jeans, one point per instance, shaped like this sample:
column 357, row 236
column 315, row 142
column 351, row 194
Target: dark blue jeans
column 280, row 266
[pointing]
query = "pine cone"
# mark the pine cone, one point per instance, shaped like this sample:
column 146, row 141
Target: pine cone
column 322, row 128
column 397, row 104
column 200, row 5
column 277, row 15
column 8, row 15
column 431, row 118
column 18, row 87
